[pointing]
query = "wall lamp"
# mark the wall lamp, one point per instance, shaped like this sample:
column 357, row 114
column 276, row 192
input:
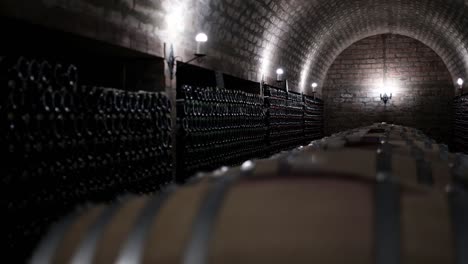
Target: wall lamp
column 279, row 74
column 200, row 38
column 460, row 85
column 314, row 89
column 385, row 98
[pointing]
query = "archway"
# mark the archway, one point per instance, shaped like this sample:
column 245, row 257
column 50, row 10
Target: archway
column 419, row 81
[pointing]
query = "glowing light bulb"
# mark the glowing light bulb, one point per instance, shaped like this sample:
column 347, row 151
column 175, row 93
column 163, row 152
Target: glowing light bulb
column 460, row 81
column 279, row 72
column 201, row 37
column 314, row 87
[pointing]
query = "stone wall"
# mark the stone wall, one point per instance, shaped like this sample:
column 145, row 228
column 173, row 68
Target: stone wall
column 419, row 81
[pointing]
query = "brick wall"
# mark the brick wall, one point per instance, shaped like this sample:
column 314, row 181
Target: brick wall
column 250, row 36
column 420, row 82
column 243, row 35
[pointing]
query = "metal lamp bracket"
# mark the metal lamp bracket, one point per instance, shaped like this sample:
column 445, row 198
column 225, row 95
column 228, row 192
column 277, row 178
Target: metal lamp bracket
column 385, row 98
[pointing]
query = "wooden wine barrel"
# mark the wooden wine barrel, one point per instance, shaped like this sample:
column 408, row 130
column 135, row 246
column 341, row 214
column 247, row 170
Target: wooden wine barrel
column 402, row 139
column 291, row 213
column 362, row 196
column 363, row 162
column 414, row 157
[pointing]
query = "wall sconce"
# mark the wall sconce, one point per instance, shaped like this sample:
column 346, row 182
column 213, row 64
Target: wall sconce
column 460, row 85
column 314, row 89
column 200, row 38
column 279, row 74
column 385, row 98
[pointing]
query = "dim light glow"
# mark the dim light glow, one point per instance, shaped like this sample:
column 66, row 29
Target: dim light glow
column 201, row 37
column 304, row 75
column 302, row 82
column 247, row 165
column 175, row 20
column 269, row 48
column 265, row 62
column 389, row 87
column 220, row 172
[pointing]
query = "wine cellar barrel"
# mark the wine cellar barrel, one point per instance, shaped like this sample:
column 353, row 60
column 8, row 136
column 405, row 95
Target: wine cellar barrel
column 349, row 198
column 414, row 158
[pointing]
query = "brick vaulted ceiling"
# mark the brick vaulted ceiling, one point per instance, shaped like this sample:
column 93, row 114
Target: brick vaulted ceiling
column 325, row 28
column 251, row 37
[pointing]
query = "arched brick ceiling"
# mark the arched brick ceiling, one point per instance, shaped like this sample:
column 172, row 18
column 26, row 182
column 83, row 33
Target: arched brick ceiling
column 324, row 28
column 251, row 37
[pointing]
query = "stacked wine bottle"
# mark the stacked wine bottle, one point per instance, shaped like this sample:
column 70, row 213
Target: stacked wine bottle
column 285, row 119
column 313, row 118
column 296, row 117
column 460, row 139
column 64, row 144
column 218, row 127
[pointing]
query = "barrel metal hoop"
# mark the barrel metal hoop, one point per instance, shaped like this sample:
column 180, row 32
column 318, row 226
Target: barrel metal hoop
column 49, row 245
column 443, row 153
column 424, row 172
column 458, row 201
column 459, row 168
column 423, row 167
column 387, row 211
column 132, row 251
column 428, row 145
column 197, row 248
column 87, row 247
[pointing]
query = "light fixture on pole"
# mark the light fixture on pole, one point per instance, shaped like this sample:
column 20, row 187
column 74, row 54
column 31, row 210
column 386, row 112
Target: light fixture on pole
column 279, row 74
column 460, row 84
column 314, row 88
column 200, row 38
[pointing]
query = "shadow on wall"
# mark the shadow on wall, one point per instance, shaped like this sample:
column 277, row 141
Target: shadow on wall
column 421, row 87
